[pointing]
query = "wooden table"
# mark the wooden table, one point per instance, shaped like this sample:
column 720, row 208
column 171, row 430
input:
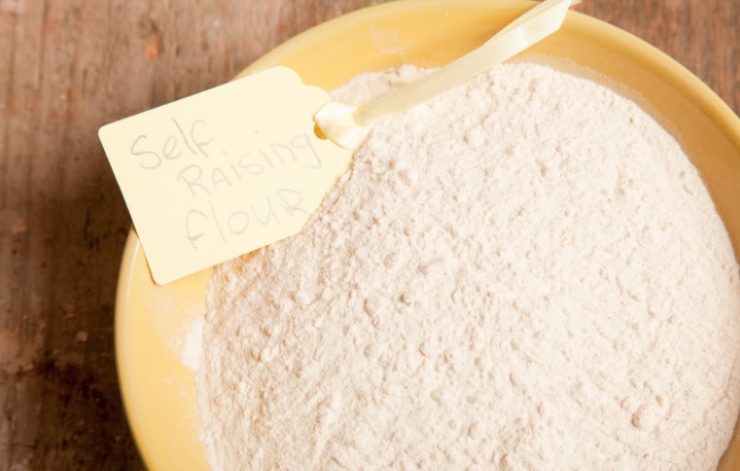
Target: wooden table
column 66, row 67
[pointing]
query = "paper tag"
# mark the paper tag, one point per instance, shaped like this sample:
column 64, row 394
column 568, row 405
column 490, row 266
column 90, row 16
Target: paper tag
column 223, row 172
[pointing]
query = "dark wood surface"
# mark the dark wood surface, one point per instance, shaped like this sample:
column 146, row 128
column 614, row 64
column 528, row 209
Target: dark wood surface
column 67, row 67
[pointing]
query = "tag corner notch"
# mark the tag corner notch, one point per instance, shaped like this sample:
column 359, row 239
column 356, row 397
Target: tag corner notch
column 103, row 131
column 160, row 279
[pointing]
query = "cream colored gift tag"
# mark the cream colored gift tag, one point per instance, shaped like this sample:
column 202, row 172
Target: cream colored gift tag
column 232, row 169
column 223, row 172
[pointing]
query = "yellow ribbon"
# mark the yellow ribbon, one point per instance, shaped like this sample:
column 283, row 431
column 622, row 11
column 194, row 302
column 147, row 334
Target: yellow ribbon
column 348, row 126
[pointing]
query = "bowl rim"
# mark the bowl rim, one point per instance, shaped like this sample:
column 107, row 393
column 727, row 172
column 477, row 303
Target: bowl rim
column 613, row 37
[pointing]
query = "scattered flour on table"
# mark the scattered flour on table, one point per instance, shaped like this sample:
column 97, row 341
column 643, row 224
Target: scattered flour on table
column 523, row 273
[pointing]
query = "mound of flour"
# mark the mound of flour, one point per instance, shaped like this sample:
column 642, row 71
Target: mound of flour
column 523, row 273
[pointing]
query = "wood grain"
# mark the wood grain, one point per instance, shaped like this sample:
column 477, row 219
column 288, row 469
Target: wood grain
column 68, row 67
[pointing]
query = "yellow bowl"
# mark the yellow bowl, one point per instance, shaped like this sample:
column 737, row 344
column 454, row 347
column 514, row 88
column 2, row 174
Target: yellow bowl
column 152, row 321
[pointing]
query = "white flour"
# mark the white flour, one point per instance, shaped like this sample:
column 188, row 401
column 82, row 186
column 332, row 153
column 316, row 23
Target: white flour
column 524, row 273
